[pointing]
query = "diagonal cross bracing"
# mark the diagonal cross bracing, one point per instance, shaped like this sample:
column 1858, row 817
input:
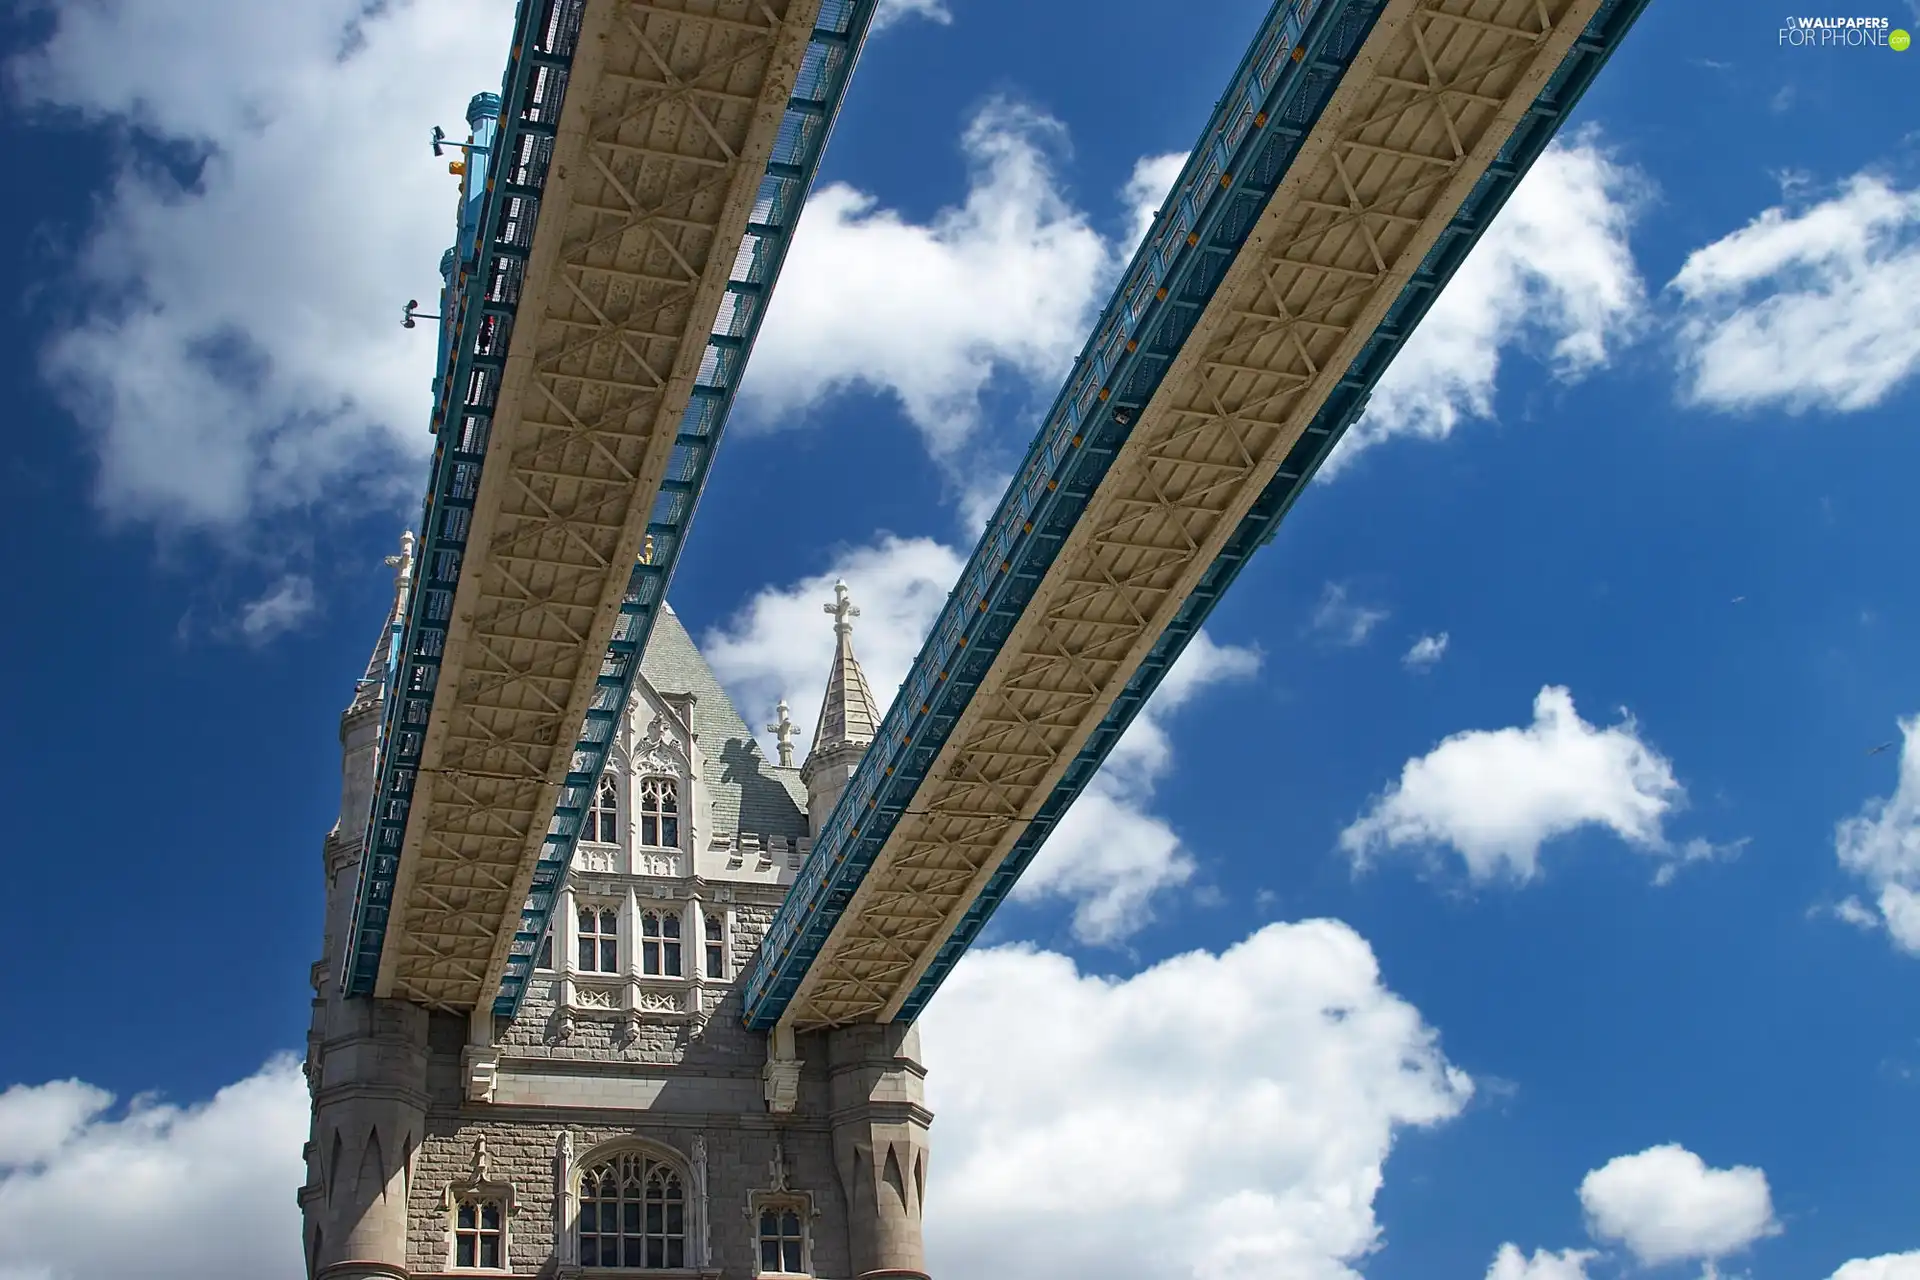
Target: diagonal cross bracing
column 651, row 161
column 1360, row 152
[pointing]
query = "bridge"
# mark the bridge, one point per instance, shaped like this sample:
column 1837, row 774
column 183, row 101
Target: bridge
column 626, row 215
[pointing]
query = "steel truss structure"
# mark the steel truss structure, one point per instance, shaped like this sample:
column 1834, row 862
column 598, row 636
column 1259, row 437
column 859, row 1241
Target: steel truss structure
column 650, row 162
column 1363, row 147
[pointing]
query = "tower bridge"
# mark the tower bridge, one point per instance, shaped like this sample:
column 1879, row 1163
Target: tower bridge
column 598, row 976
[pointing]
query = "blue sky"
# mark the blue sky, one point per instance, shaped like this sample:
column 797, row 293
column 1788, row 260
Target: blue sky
column 1618, row 905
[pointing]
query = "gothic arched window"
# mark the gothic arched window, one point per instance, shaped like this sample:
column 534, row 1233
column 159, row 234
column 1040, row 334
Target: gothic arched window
column 714, row 937
column 782, row 1240
column 479, row 1236
column 603, row 819
column 660, row 943
column 659, row 813
column 633, row 1213
column 599, row 940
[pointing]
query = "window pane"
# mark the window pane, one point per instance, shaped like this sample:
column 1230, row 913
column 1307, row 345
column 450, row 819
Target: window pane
column 490, row 1216
column 589, row 1216
column 673, row 959
column 586, row 953
column 713, row 927
column 769, row 1254
column 676, row 1252
column 670, row 832
column 489, row 1251
column 714, row 966
column 650, row 924
column 609, row 921
column 656, row 1252
column 464, row 1216
column 790, row 1225
column 649, row 829
column 793, row 1255
column 463, row 1251
column 670, row 925
column 609, row 955
column 650, row 957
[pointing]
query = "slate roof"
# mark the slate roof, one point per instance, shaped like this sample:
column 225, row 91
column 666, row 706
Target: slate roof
column 750, row 793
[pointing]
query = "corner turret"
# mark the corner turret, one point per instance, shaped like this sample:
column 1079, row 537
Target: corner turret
column 848, row 720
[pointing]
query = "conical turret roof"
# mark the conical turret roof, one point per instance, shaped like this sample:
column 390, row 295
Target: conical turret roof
column 848, row 713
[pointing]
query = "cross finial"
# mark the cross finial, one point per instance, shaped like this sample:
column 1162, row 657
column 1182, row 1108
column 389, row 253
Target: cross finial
column 842, row 608
column 783, row 736
column 402, row 564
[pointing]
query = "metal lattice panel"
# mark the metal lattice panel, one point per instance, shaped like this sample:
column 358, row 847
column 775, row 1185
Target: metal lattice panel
column 1420, row 115
column 671, row 113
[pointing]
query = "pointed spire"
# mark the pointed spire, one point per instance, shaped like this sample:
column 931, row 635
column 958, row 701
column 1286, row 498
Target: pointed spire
column 369, row 690
column 847, row 712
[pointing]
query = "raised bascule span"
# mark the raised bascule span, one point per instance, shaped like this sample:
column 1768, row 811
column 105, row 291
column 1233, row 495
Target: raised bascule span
column 624, row 220
column 1360, row 151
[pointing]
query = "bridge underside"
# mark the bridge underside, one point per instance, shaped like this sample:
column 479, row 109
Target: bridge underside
column 604, row 307
column 1424, row 107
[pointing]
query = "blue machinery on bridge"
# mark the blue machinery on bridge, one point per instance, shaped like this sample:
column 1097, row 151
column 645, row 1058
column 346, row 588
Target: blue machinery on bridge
column 1277, row 94
column 1291, row 70
column 503, row 185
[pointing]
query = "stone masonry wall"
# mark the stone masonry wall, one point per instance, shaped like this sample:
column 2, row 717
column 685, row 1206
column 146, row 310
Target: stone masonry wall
column 522, row 1142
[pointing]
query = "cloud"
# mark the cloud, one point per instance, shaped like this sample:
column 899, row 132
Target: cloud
column 37, row 1120
column 1553, row 272
column 236, row 349
column 199, row 1193
column 890, row 12
column 1807, row 307
column 282, row 608
column 1665, row 1205
column 1146, row 1128
column 1888, row 1266
column 1426, row 652
column 1881, row 845
column 1497, row 795
column 1343, row 622
column 1512, row 1264
column 1109, row 856
column 1009, row 279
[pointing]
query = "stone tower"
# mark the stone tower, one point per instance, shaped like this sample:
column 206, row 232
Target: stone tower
column 624, row 1123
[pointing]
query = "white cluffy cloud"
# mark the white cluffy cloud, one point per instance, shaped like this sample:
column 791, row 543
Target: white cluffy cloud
column 1497, row 795
column 1109, row 856
column 1881, row 845
column 1888, row 1266
column 238, row 350
column 1512, row 1263
column 1146, row 1129
column 1554, row 271
column 200, row 1193
column 1806, row 308
column 1665, row 1204
column 1341, row 620
column 286, row 605
column 1007, row 280
column 1426, row 652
